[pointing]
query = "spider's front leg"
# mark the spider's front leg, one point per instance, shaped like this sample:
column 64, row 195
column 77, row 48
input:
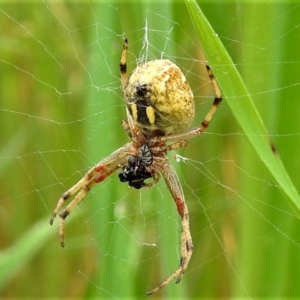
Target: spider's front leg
column 95, row 175
column 174, row 186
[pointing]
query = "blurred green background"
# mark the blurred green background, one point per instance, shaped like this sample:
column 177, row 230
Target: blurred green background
column 60, row 111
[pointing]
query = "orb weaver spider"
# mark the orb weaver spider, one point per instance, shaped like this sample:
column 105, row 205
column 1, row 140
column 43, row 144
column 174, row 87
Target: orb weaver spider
column 160, row 107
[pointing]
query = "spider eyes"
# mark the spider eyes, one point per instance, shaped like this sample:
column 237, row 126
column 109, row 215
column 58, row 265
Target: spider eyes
column 136, row 171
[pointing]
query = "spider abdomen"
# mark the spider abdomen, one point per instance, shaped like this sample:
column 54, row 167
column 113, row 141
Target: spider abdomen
column 159, row 98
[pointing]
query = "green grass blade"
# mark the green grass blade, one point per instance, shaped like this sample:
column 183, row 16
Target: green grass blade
column 239, row 100
column 14, row 258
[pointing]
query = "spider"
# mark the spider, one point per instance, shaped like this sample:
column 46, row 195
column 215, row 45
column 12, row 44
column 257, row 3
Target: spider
column 160, row 108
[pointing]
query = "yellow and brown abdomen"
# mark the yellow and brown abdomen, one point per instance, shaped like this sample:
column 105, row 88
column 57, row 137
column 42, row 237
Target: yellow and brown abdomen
column 159, row 98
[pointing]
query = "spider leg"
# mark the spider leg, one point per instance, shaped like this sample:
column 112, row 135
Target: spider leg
column 166, row 148
column 217, row 100
column 81, row 194
column 70, row 192
column 206, row 121
column 128, row 125
column 174, row 186
column 123, row 64
column 95, row 175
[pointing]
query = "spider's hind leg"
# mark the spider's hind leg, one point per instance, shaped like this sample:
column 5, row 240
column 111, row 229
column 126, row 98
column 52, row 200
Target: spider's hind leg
column 174, row 186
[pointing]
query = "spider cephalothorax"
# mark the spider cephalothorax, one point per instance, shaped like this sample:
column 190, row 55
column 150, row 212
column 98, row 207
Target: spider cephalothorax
column 160, row 108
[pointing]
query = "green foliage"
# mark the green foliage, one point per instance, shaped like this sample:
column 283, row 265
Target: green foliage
column 243, row 109
column 61, row 108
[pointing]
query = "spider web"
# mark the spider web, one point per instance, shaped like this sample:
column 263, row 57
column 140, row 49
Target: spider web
column 61, row 107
